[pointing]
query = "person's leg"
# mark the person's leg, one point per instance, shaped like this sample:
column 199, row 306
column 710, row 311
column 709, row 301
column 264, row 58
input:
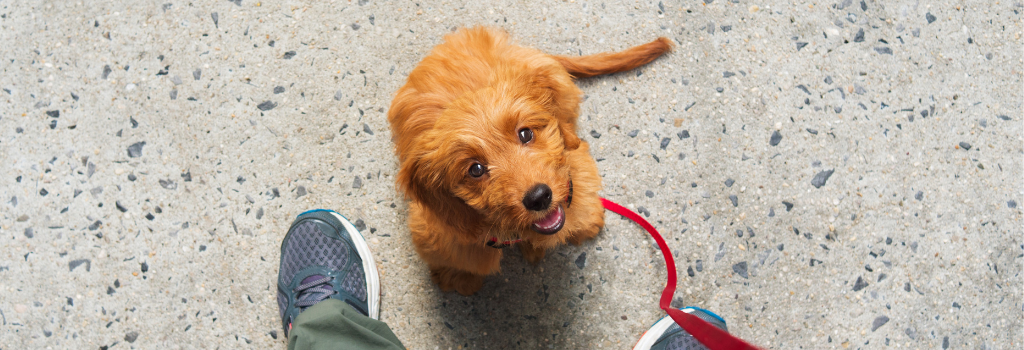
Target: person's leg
column 333, row 324
column 667, row 335
column 328, row 289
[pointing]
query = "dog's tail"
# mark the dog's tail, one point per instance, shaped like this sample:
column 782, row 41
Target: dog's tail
column 614, row 62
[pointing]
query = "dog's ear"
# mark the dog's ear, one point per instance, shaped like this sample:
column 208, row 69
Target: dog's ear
column 422, row 179
column 560, row 97
column 413, row 180
column 568, row 130
column 406, row 178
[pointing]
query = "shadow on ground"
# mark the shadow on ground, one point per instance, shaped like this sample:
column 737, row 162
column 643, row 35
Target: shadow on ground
column 525, row 307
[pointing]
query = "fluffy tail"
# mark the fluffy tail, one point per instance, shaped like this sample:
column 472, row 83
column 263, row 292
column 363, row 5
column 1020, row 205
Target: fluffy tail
column 607, row 63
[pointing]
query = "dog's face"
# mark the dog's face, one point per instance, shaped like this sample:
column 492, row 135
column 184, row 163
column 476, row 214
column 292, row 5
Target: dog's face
column 499, row 153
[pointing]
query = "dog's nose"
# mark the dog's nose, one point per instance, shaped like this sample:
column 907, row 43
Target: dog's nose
column 538, row 198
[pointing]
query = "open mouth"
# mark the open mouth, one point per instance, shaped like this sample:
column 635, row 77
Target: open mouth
column 550, row 224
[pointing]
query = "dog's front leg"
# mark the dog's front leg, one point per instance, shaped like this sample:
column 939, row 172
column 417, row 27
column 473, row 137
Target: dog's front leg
column 461, row 268
column 449, row 279
column 532, row 253
column 457, row 260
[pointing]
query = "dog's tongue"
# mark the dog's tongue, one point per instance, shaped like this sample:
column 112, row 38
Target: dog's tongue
column 551, row 223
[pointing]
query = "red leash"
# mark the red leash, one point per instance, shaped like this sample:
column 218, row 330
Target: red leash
column 712, row 337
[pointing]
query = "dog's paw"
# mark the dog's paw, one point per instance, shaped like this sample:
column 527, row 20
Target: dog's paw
column 460, row 281
column 468, row 284
column 532, row 253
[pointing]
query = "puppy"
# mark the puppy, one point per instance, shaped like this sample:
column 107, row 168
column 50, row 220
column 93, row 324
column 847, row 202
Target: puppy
column 485, row 133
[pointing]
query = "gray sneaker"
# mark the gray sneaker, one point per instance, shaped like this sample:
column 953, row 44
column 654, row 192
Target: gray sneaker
column 324, row 256
column 667, row 335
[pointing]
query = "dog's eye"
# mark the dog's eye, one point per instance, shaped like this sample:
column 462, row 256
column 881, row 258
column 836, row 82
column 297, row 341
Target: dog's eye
column 477, row 170
column 525, row 135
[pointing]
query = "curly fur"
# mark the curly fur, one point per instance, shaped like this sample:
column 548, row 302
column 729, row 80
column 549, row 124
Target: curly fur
column 464, row 104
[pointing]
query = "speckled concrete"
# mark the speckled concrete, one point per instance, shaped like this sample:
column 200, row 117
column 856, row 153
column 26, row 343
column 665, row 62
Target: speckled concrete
column 839, row 174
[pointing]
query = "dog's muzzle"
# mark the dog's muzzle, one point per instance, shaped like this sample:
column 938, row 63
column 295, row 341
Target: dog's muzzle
column 493, row 242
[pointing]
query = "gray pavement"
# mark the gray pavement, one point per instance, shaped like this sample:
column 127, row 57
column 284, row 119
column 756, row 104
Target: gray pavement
column 154, row 153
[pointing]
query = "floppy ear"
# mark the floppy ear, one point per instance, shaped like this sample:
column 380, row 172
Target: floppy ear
column 423, row 180
column 406, row 179
column 553, row 89
column 568, row 130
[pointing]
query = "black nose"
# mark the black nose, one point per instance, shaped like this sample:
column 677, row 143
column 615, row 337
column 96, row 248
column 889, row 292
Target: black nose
column 538, row 198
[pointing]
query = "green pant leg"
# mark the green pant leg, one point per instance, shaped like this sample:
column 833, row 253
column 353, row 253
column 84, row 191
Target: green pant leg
column 332, row 324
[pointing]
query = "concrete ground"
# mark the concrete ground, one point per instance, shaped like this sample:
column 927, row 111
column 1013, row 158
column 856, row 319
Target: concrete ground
column 839, row 174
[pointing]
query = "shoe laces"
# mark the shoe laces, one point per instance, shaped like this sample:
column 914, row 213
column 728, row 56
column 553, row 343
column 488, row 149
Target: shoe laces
column 314, row 291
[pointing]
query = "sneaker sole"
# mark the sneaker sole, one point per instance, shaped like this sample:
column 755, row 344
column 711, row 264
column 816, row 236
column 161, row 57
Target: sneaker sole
column 651, row 336
column 369, row 266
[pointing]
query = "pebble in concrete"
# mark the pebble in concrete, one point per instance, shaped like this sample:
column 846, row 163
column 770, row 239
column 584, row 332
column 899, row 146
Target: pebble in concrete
column 135, row 150
column 740, row 268
column 821, row 177
column 860, row 284
column 775, row 139
column 266, row 105
column 879, row 322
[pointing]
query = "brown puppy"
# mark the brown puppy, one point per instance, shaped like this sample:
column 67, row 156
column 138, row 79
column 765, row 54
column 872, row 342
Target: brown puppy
column 485, row 133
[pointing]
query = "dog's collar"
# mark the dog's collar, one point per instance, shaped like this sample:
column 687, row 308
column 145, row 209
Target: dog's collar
column 493, row 241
